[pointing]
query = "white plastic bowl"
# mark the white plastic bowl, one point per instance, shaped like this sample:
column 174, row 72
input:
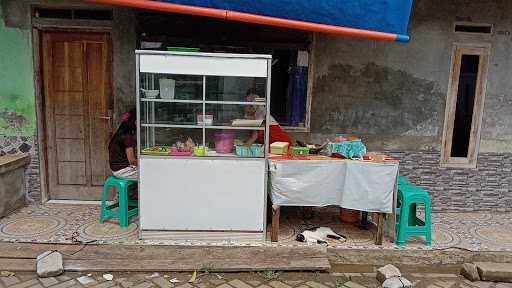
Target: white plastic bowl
column 151, row 94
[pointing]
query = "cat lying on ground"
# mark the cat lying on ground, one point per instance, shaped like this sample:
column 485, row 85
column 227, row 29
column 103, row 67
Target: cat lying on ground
column 319, row 235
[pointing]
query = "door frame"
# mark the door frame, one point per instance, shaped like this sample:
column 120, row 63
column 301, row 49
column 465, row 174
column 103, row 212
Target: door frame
column 484, row 51
column 37, row 29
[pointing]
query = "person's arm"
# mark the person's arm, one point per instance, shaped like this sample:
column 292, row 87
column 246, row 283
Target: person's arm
column 252, row 138
column 130, row 154
column 130, row 143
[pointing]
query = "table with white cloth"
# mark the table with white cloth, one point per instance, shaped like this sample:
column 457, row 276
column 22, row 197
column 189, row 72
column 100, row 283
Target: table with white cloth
column 368, row 186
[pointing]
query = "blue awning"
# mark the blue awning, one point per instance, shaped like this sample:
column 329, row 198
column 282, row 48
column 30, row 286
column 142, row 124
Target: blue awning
column 376, row 19
column 390, row 16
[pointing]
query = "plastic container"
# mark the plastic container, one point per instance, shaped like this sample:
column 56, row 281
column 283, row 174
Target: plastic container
column 200, row 151
column 349, row 149
column 175, row 152
column 279, row 148
column 150, row 94
column 224, row 141
column 349, row 215
column 299, row 151
column 255, row 150
column 208, row 119
column 183, row 49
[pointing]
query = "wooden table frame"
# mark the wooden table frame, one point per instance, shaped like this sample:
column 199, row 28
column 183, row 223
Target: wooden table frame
column 276, row 213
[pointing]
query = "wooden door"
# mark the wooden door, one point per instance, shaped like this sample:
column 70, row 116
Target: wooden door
column 77, row 97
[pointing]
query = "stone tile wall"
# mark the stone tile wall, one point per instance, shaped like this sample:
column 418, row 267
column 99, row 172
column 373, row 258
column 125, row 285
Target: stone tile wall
column 25, row 144
column 488, row 187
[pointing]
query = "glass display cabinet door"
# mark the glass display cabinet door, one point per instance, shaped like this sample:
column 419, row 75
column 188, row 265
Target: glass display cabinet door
column 213, row 115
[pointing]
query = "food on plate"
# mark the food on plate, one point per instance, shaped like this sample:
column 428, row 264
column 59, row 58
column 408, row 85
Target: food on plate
column 156, row 150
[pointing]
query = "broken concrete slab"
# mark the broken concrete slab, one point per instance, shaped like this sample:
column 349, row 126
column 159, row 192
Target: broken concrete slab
column 12, row 182
column 397, row 282
column 387, row 272
column 49, row 264
column 470, row 271
column 497, row 272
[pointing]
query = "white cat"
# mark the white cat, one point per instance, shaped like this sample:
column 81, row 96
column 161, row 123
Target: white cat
column 319, row 235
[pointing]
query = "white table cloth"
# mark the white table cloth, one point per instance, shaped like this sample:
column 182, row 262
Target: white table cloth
column 359, row 185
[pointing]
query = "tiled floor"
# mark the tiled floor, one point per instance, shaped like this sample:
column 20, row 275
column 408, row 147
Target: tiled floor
column 266, row 279
column 56, row 223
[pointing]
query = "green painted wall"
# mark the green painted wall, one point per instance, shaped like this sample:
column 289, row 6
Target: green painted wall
column 17, row 100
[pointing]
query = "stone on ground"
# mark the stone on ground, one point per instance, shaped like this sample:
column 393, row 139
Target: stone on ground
column 470, row 271
column 49, row 264
column 397, row 282
column 85, row 280
column 387, row 272
column 497, row 272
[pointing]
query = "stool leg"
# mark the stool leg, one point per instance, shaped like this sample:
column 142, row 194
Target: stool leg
column 123, row 205
column 428, row 222
column 398, row 215
column 404, row 221
column 412, row 215
column 103, row 212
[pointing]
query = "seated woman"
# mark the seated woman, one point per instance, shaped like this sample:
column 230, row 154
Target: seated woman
column 121, row 149
column 276, row 133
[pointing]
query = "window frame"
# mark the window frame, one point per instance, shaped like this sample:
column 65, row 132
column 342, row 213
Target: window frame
column 470, row 161
column 309, row 93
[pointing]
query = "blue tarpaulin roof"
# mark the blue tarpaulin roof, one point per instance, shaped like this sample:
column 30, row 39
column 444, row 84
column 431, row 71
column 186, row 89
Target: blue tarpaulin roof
column 391, row 16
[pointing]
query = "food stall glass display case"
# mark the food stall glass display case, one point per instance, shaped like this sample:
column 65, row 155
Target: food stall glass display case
column 197, row 178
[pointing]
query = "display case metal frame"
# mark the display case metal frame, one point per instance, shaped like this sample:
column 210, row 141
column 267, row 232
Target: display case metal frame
column 202, row 235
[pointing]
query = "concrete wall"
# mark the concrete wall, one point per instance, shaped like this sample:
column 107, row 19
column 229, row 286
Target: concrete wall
column 16, row 55
column 391, row 94
column 394, row 96
column 17, row 108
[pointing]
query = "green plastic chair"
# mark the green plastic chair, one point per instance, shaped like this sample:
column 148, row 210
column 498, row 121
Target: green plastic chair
column 407, row 223
column 126, row 208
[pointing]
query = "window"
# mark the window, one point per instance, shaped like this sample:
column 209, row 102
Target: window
column 473, row 28
column 289, row 87
column 290, row 50
column 73, row 14
column 464, row 106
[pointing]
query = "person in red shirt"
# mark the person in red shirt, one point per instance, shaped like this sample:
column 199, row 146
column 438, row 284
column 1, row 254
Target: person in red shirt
column 276, row 132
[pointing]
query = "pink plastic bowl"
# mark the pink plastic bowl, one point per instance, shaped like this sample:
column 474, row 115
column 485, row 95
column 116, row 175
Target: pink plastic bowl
column 224, row 141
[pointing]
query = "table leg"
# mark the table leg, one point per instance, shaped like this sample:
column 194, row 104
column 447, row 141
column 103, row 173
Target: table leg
column 380, row 228
column 274, row 234
column 364, row 220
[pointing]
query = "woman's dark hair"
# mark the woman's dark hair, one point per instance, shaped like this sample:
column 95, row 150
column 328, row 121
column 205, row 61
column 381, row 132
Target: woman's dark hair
column 128, row 126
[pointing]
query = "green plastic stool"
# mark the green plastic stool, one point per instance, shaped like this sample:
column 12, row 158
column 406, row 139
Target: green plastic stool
column 407, row 223
column 402, row 181
column 123, row 213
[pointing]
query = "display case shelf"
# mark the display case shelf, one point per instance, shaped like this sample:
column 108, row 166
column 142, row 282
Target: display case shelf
column 170, row 100
column 201, row 101
column 203, row 126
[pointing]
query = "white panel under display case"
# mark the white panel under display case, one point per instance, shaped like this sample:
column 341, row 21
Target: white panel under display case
column 202, row 194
